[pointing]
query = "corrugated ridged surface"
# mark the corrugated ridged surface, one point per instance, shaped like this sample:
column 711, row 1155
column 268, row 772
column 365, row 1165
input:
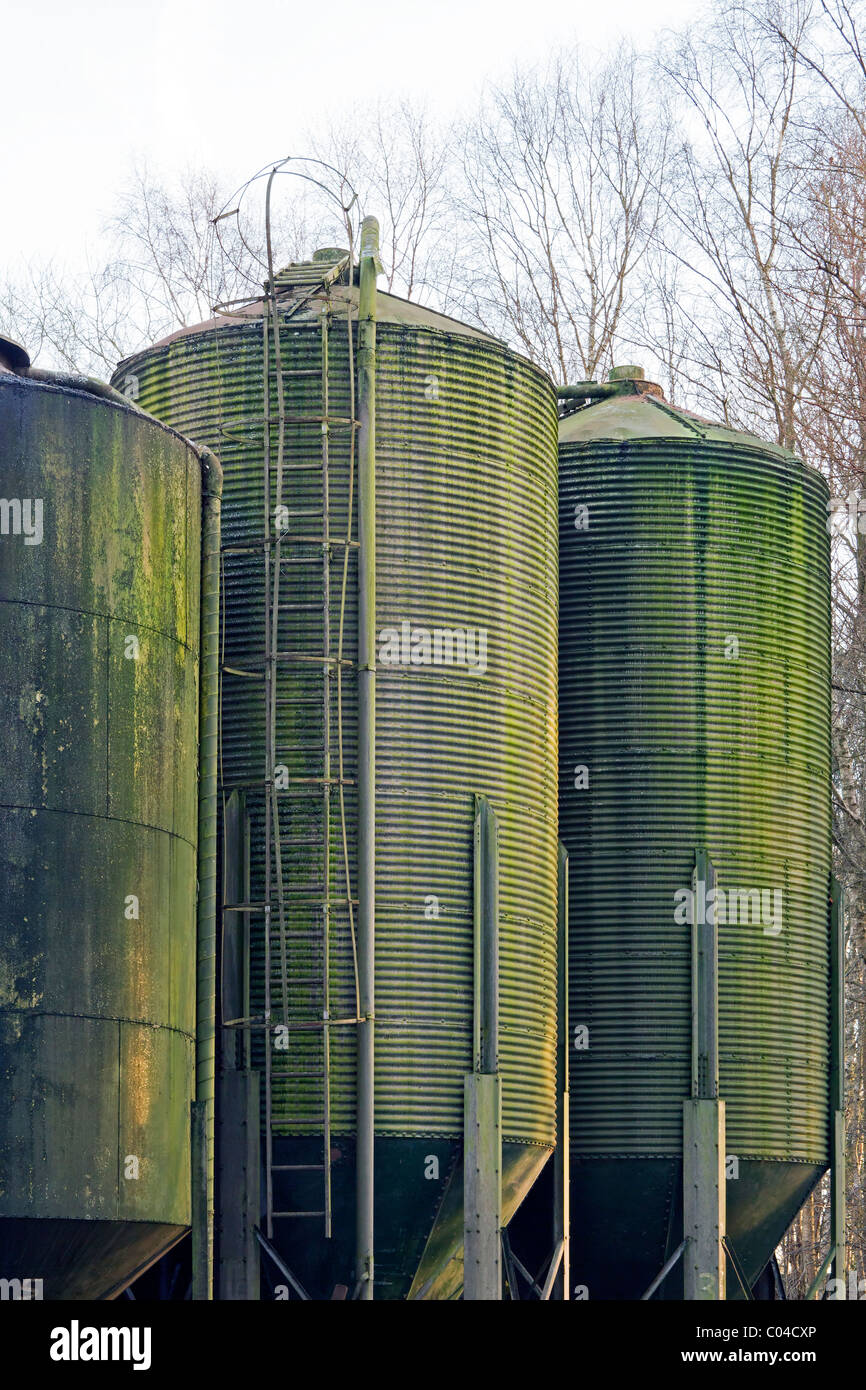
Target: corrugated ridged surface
column 687, row 545
column 466, row 483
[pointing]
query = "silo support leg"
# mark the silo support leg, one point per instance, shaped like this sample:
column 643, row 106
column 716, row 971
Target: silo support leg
column 704, row 1265
column 200, row 1221
column 561, row 1173
column 704, row 1199
column 482, row 1187
column 238, row 1186
column 837, row 1207
column 482, row 1110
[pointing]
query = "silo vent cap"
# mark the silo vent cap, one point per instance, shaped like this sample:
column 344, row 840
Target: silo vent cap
column 626, row 374
column 332, row 254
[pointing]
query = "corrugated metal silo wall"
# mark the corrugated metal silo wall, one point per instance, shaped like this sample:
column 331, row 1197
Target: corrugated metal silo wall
column 691, row 744
column 466, row 537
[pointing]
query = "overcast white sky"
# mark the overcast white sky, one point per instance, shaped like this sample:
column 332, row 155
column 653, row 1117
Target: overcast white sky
column 91, row 85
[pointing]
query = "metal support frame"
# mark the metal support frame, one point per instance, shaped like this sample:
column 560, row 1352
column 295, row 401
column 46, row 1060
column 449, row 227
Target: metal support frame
column 664, row 1271
column 206, row 942
column 835, row 1256
column 364, row 1180
column 238, row 1147
column 552, row 1282
column 704, row 1262
column 239, row 1151
column 200, row 1224
column 281, row 1265
column 837, row 1084
column 560, row 1290
column 482, row 1125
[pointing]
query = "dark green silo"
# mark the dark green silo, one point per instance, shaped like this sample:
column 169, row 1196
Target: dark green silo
column 99, row 608
column 466, row 544
column 694, row 714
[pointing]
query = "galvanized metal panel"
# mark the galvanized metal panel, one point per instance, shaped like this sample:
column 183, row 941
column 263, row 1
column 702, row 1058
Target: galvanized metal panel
column 466, row 537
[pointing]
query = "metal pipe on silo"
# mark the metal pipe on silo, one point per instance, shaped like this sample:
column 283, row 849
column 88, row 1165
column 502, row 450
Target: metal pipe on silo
column 369, row 269
column 205, row 1023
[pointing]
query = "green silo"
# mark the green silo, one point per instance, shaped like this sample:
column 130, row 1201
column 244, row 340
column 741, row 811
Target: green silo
column 466, row 577
column 99, row 581
column 694, row 715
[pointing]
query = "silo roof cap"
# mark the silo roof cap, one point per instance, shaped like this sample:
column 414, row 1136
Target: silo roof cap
column 297, row 289
column 628, row 407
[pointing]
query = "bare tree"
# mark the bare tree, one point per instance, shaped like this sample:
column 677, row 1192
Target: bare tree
column 172, row 251
column 753, row 307
column 82, row 322
column 397, row 159
column 833, row 239
column 560, row 202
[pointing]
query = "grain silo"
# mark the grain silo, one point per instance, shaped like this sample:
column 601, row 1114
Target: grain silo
column 100, row 557
column 447, row 531
column 694, row 758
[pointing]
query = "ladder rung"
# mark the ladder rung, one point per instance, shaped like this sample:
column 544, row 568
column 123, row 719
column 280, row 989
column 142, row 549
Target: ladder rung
column 288, row 902
column 319, row 782
column 318, row 901
column 284, row 1215
column 299, row 791
column 302, row 659
column 296, row 791
column 320, row 420
column 297, row 1073
column 300, row 607
column 311, row 658
column 295, row 419
column 282, row 1075
column 239, row 671
column 298, row 1024
column 268, row 542
column 302, row 932
column 319, row 540
column 311, row 1024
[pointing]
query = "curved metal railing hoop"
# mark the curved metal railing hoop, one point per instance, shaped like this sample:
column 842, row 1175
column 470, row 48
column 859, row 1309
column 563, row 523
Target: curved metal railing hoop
column 345, row 196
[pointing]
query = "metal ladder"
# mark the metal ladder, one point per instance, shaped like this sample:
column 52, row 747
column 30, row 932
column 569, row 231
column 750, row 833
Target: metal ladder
column 299, row 544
